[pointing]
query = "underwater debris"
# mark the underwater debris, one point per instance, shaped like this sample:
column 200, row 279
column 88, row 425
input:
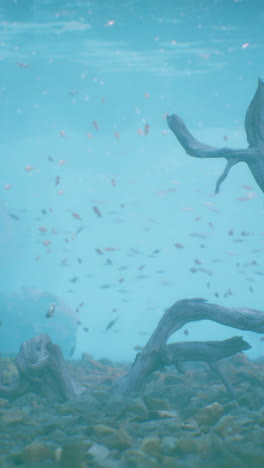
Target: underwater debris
column 97, row 212
column 13, row 216
column 157, row 353
column 252, row 156
column 51, row 310
column 42, row 370
column 111, row 324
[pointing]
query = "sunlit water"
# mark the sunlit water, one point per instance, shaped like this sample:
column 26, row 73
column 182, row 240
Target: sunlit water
column 80, row 82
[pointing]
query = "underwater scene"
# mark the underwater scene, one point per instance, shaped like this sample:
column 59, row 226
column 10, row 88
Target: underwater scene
column 132, row 234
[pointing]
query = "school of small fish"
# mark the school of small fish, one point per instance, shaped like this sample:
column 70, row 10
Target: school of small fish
column 145, row 261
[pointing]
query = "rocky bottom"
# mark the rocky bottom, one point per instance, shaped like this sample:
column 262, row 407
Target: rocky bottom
column 178, row 421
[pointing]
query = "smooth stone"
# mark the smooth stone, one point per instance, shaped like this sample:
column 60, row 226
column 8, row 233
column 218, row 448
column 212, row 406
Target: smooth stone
column 151, row 445
column 116, row 406
column 210, row 414
column 119, row 440
column 164, row 414
column 169, row 445
column 226, row 426
column 3, row 402
column 84, row 403
column 100, row 455
column 35, row 452
column 186, row 445
column 31, row 400
column 72, row 455
column 137, row 407
column 157, row 404
column 13, row 416
column 138, row 459
column 102, row 430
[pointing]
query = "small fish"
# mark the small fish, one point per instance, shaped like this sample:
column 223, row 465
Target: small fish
column 109, row 23
column 62, row 133
column 28, row 168
column 14, row 216
column 95, row 124
column 51, row 310
column 245, row 45
column 146, row 129
column 80, row 229
column 186, row 332
column 138, row 348
column 79, row 260
column 111, row 324
column 97, row 212
column 99, row 251
column 179, row 245
column 42, row 229
column 76, row 215
column 113, row 182
column 74, row 279
column 197, row 261
column 50, row 158
column 57, row 180
column 117, row 135
column 61, row 162
column 7, row 186
column 85, row 329
column 46, row 242
column 44, row 212
column 23, row 65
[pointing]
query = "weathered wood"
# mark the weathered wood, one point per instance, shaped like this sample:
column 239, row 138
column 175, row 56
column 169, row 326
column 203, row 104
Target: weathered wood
column 43, row 370
column 180, row 313
column 207, row 351
column 253, row 156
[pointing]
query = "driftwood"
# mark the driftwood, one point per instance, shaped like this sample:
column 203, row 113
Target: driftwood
column 253, row 156
column 157, row 354
column 42, row 370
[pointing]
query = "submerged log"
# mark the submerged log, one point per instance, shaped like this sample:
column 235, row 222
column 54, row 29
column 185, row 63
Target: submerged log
column 42, row 370
column 157, row 353
column 253, row 156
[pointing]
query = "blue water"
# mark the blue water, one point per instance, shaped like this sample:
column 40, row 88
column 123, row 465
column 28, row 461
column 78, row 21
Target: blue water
column 125, row 64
